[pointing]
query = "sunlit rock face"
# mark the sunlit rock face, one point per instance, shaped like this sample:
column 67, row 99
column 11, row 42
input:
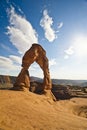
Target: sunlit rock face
column 35, row 54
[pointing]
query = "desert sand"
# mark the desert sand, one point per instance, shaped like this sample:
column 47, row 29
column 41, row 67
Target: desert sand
column 24, row 110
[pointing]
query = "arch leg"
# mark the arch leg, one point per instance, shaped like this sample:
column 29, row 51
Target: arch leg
column 23, row 80
column 43, row 62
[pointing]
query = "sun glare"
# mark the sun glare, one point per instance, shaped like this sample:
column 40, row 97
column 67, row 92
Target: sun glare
column 80, row 45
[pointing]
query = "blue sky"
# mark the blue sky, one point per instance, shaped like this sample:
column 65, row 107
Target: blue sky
column 60, row 26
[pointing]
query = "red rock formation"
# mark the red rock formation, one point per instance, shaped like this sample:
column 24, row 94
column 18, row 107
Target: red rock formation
column 22, row 81
column 35, row 53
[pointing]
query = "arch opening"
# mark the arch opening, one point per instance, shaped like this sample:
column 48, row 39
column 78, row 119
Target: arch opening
column 36, row 71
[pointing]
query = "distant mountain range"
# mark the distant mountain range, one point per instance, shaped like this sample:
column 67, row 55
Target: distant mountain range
column 11, row 79
column 82, row 83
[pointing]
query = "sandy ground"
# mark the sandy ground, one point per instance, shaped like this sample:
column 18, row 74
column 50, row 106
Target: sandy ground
column 27, row 111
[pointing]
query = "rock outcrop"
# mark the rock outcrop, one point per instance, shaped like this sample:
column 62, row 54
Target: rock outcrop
column 59, row 91
column 5, row 79
column 35, row 54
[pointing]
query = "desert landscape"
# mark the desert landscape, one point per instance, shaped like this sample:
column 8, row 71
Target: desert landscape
column 43, row 65
column 25, row 110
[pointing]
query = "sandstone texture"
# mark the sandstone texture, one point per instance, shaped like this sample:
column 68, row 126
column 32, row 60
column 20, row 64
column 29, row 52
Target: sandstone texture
column 29, row 111
column 22, row 80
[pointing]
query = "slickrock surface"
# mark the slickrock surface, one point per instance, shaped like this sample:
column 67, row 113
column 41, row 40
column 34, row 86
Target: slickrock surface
column 24, row 110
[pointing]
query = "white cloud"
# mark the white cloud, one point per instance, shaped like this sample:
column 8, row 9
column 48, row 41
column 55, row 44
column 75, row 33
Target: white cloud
column 16, row 59
column 52, row 62
column 60, row 25
column 5, row 62
column 46, row 23
column 69, row 52
column 21, row 33
column 8, row 67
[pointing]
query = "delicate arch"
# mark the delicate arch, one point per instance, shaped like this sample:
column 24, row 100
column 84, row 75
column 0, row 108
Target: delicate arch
column 35, row 54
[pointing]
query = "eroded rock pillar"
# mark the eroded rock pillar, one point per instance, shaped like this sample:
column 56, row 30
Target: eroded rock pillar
column 23, row 80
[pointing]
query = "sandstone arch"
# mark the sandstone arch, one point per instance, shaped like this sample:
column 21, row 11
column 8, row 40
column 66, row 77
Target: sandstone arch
column 38, row 54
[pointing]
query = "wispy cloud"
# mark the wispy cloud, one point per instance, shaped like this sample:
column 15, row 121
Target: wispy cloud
column 21, row 33
column 60, row 25
column 8, row 67
column 69, row 52
column 19, row 9
column 7, row 48
column 16, row 59
column 46, row 23
column 52, row 62
column 5, row 62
